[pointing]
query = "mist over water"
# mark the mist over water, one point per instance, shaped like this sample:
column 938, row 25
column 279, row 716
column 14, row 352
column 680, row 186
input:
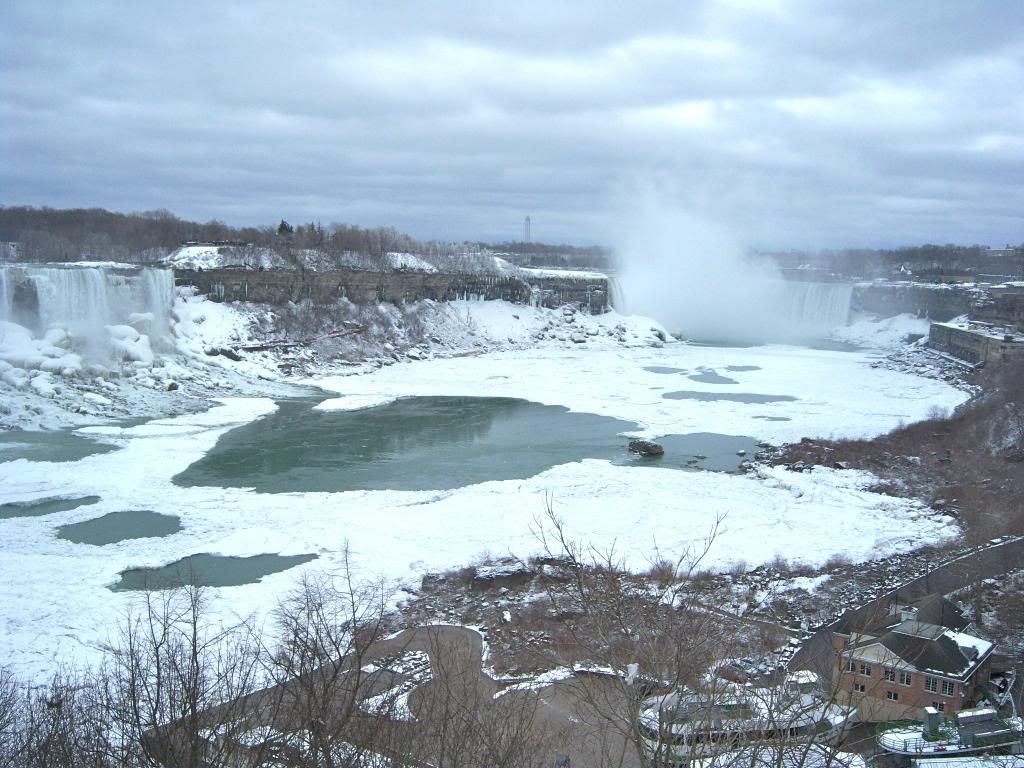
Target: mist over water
column 693, row 276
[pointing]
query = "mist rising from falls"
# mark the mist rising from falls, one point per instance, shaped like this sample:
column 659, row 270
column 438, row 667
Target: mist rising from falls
column 693, row 276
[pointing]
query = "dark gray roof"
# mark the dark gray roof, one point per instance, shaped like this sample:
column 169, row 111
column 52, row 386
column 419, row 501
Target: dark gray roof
column 935, row 609
column 927, row 648
column 874, row 618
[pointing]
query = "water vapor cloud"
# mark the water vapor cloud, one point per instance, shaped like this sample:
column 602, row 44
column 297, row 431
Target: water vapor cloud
column 696, row 276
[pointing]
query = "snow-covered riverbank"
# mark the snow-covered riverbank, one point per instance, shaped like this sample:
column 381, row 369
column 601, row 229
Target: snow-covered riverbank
column 55, row 595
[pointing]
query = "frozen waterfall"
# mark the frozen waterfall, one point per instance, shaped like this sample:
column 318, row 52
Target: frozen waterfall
column 42, row 297
column 101, row 314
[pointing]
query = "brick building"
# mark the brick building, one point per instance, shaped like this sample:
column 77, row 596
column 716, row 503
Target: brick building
column 919, row 656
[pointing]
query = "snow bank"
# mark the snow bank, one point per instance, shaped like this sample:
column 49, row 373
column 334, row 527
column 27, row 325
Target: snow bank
column 882, row 333
column 196, row 257
column 205, row 256
column 409, row 261
column 353, row 403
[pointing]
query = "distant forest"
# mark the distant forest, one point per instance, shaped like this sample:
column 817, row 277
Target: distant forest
column 50, row 234
column 54, row 235
column 941, row 263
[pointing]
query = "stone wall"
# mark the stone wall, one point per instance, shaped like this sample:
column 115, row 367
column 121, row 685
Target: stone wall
column 939, row 303
column 974, row 346
column 1004, row 305
column 274, row 286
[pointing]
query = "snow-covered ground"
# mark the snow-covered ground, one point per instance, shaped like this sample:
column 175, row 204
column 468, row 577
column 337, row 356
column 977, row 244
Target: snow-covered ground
column 885, row 333
column 55, row 600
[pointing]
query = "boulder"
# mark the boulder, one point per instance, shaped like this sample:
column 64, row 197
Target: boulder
column 505, row 573
column 645, row 448
column 230, row 354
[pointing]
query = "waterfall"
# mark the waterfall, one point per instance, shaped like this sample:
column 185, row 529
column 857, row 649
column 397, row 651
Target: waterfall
column 75, row 297
column 814, row 309
column 158, row 297
column 5, row 295
column 616, row 295
column 88, row 302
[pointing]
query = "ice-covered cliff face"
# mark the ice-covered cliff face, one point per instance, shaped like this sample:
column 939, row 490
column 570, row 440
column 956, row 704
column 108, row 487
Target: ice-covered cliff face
column 74, row 319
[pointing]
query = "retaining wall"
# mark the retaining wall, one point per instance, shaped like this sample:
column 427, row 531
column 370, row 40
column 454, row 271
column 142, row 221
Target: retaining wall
column 974, row 346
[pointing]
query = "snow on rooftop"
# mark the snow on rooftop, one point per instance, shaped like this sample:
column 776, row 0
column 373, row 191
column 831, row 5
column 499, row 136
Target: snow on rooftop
column 972, row 643
column 971, row 761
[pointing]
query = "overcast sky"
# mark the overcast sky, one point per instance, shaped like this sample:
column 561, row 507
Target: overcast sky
column 792, row 123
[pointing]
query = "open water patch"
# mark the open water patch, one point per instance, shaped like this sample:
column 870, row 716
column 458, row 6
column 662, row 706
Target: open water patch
column 48, row 506
column 709, row 451
column 206, row 570
column 663, row 369
column 120, row 526
column 742, row 368
column 733, row 397
column 710, row 376
column 56, row 446
column 430, row 443
column 832, row 345
column 411, row 444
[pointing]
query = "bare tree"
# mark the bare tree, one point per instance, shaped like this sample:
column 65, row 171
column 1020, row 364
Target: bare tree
column 59, row 723
column 175, row 687
column 325, row 633
column 657, row 644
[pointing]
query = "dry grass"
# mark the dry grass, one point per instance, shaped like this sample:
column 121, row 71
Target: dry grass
column 966, row 462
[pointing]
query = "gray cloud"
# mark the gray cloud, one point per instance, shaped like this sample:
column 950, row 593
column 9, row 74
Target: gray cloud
column 793, row 122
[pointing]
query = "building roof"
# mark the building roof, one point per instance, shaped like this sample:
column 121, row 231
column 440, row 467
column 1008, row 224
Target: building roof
column 935, row 609
column 932, row 648
column 930, row 609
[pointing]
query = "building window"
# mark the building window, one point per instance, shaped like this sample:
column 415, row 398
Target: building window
column 905, row 678
column 947, row 688
column 939, row 706
column 931, row 684
column 851, row 665
column 892, row 696
column 889, row 674
column 859, row 687
column 865, row 669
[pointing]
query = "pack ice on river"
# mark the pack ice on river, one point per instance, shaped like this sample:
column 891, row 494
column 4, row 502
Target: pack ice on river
column 58, row 596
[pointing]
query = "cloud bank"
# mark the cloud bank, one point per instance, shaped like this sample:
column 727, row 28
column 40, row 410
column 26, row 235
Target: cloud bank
column 796, row 123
